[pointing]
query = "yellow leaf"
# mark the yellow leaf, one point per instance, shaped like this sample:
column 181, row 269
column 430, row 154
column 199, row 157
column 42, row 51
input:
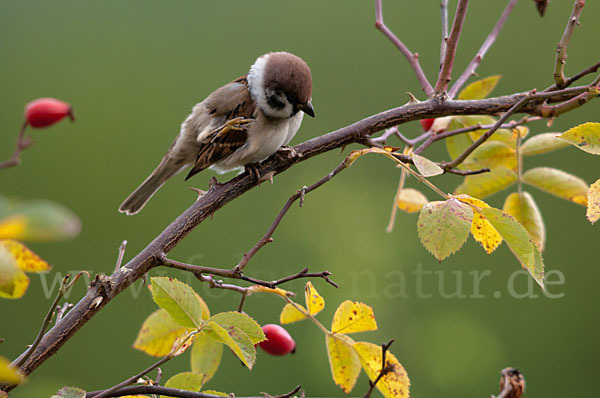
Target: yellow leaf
column 585, row 137
column 314, row 302
column 542, row 143
column 343, row 361
column 593, row 196
column 25, row 259
column 158, row 334
column 291, row 314
column 559, row 183
column 411, row 200
column 520, row 131
column 13, row 227
column 486, row 184
column 492, row 154
column 479, row 89
column 395, row 383
column 482, row 230
column 9, row 374
column 524, row 209
column 263, row 289
column 206, row 355
column 13, row 281
column 426, row 167
column 353, row 317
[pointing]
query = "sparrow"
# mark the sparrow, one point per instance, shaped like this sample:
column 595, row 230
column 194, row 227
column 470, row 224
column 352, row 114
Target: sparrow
column 238, row 125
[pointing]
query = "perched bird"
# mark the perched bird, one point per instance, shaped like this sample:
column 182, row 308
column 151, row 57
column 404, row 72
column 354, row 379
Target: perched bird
column 237, row 125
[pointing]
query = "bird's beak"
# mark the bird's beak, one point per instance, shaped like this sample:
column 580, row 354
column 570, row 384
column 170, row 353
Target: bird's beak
column 307, row 108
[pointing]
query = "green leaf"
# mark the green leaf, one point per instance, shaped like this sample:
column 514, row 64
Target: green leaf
column 242, row 321
column 70, row 392
column 519, row 242
column 426, row 167
column 189, row 381
column 206, row 355
column 179, row 300
column 482, row 185
column 585, row 137
column 234, row 338
column 444, row 227
column 343, row 361
column 524, row 209
column 492, row 154
column 158, row 334
column 38, row 220
column 593, row 197
column 558, row 183
column 542, row 143
column 479, row 89
column 458, row 143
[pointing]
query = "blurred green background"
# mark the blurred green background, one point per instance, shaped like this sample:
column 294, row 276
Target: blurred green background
column 134, row 69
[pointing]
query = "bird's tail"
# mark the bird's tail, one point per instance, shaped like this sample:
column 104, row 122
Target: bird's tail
column 138, row 199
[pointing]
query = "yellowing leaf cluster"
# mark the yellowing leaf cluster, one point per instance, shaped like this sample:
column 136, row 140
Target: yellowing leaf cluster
column 15, row 260
column 345, row 355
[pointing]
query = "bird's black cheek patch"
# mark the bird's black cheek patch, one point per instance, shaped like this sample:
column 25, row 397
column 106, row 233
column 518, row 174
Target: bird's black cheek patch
column 275, row 102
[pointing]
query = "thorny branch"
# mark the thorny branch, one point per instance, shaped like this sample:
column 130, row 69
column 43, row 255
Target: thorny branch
column 561, row 48
column 451, row 45
column 470, row 70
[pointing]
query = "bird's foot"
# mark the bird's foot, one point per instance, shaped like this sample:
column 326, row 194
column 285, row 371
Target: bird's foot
column 252, row 170
column 286, row 152
column 235, row 124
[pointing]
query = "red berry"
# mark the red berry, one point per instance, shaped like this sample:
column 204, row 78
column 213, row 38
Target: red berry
column 44, row 112
column 278, row 342
column 426, row 124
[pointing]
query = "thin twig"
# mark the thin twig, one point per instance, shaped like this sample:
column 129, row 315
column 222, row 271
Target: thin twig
column 475, row 62
column 45, row 322
column 444, row 16
column 268, row 235
column 121, row 255
column 550, row 111
column 561, row 48
column 384, row 369
column 302, row 274
column 440, row 136
column 574, row 78
column 109, row 392
column 23, row 143
column 412, row 58
column 451, row 45
column 488, row 133
column 392, row 221
column 286, row 395
column 199, row 271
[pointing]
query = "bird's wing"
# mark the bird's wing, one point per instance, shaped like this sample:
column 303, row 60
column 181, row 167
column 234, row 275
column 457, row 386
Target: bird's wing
column 232, row 111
